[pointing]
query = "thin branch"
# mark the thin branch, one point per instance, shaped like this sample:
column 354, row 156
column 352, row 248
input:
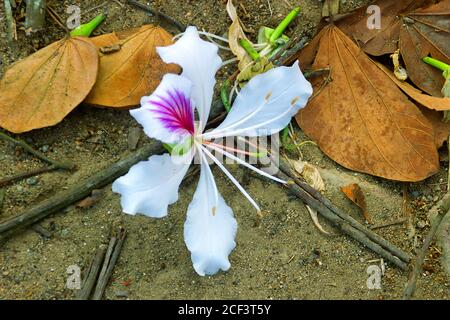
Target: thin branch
column 23, row 175
column 340, row 223
column 443, row 209
column 10, row 23
column 112, row 255
column 35, row 15
column 2, row 198
column 77, row 192
column 157, row 13
column 40, row 155
column 388, row 224
column 91, row 275
column 284, row 167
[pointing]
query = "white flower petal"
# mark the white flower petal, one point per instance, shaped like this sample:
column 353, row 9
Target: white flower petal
column 149, row 114
column 150, row 186
column 200, row 62
column 266, row 104
column 210, row 227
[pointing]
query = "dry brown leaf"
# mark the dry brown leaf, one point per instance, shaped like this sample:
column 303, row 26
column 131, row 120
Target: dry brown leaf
column 436, row 103
column 133, row 71
column 416, row 32
column 310, row 174
column 441, row 128
column 40, row 90
column 381, row 41
column 362, row 121
column 426, row 32
column 354, row 193
column 88, row 202
column 235, row 32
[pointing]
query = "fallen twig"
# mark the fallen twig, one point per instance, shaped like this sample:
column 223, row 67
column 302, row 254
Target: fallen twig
column 148, row 9
column 42, row 231
column 340, row 223
column 40, row 155
column 77, row 192
column 407, row 213
column 35, row 15
column 23, row 175
column 2, row 197
column 112, row 254
column 54, row 15
column 91, row 275
column 442, row 208
column 10, row 23
column 388, row 224
column 373, row 237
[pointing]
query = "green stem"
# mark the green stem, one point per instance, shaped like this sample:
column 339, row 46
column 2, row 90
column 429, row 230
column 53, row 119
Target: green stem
column 224, row 95
column 249, row 49
column 285, row 135
column 85, row 30
column 436, row 63
column 283, row 25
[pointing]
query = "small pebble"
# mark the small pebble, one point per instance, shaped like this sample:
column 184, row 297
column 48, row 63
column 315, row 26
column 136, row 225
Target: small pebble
column 45, row 148
column 415, row 194
column 121, row 294
column 31, row 181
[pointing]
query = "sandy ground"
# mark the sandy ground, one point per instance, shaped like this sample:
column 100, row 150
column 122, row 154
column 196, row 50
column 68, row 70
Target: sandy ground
column 282, row 256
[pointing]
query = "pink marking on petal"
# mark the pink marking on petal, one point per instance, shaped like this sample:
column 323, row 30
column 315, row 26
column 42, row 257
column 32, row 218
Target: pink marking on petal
column 175, row 112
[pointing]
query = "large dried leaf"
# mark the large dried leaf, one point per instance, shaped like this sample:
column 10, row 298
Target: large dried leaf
column 131, row 71
column 426, row 32
column 40, row 90
column 362, row 121
column 378, row 41
column 236, row 32
column 436, row 103
column 418, row 32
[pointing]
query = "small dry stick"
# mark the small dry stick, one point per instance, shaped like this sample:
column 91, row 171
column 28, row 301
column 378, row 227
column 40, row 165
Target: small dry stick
column 388, row 224
column 443, row 209
column 340, row 223
column 91, row 275
column 35, row 15
column 2, row 197
column 77, row 192
column 9, row 21
column 407, row 213
column 42, row 231
column 23, row 175
column 40, row 155
column 54, row 15
column 376, row 239
column 145, row 8
column 112, row 255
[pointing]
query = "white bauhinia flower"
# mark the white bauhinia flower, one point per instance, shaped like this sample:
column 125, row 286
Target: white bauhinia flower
column 267, row 103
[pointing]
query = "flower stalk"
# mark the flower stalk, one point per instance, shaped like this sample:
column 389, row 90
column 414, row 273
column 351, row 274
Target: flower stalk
column 85, row 29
